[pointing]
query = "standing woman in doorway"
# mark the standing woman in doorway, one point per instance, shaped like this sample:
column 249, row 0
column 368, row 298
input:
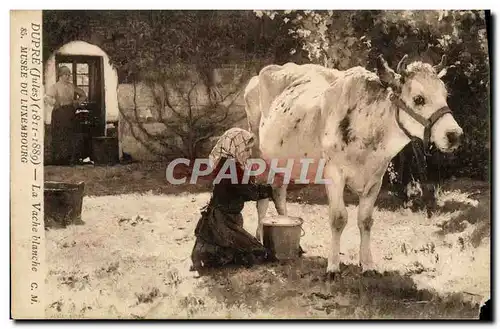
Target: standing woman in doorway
column 61, row 96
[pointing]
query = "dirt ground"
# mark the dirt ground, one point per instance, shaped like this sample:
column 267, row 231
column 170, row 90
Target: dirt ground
column 131, row 259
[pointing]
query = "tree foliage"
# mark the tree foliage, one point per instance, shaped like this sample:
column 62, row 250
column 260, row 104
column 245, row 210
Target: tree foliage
column 143, row 41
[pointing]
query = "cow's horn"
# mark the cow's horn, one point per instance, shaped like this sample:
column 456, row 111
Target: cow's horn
column 385, row 73
column 382, row 64
column 402, row 64
column 441, row 65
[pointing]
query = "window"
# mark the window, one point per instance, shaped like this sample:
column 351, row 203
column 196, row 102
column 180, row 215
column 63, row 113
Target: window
column 80, row 78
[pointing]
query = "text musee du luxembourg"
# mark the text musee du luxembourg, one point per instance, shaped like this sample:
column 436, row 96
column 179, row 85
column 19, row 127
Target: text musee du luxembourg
column 31, row 132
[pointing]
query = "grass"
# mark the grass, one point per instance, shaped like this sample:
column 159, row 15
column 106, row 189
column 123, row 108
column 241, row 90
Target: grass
column 131, row 259
column 475, row 209
column 302, row 284
column 121, row 179
column 150, row 177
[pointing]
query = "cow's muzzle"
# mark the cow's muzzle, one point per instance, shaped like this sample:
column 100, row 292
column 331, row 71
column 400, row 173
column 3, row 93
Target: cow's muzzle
column 427, row 123
column 454, row 139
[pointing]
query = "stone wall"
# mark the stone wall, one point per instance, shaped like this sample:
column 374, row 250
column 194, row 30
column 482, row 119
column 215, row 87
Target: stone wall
column 142, row 115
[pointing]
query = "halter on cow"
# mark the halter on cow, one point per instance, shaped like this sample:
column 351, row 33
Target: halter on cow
column 401, row 105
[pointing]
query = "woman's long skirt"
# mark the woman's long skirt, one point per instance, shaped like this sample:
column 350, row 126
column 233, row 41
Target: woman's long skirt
column 63, row 135
column 221, row 240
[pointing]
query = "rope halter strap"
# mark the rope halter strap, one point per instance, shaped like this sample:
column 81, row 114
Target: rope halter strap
column 427, row 123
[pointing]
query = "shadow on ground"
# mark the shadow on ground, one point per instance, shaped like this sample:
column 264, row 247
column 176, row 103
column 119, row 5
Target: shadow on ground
column 150, row 177
column 122, row 179
column 316, row 194
column 479, row 216
column 302, row 289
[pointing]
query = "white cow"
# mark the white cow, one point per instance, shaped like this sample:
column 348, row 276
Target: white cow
column 356, row 120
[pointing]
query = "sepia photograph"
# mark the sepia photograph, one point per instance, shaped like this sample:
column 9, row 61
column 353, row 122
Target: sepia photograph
column 251, row 164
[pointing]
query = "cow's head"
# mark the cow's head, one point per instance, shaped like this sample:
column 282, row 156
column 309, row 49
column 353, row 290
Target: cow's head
column 420, row 96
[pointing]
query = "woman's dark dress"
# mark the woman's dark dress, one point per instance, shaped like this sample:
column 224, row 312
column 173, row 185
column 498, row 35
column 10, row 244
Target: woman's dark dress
column 63, row 135
column 220, row 236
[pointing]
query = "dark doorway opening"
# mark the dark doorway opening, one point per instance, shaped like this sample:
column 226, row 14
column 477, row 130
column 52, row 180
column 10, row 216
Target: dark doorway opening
column 87, row 73
column 90, row 117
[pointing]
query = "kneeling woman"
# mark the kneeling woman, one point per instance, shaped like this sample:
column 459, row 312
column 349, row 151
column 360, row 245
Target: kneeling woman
column 220, row 237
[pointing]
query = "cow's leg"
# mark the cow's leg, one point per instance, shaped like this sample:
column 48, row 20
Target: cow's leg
column 262, row 206
column 365, row 222
column 337, row 215
column 279, row 199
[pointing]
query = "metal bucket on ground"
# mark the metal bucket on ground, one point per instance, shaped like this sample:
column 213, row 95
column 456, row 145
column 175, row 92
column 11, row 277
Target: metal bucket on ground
column 63, row 204
column 281, row 234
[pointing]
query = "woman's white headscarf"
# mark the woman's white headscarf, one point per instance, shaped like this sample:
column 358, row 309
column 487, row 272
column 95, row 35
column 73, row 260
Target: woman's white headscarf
column 235, row 143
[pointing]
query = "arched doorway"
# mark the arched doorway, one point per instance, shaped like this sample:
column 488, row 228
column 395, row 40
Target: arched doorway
column 92, row 72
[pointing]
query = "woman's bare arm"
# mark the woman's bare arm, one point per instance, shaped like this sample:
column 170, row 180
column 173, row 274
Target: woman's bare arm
column 82, row 97
column 50, row 96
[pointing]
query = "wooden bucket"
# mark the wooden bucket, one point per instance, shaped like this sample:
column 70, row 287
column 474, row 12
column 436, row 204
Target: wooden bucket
column 63, row 204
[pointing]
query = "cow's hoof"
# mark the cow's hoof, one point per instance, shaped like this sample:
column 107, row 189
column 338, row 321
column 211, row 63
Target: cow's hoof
column 370, row 274
column 367, row 266
column 332, row 276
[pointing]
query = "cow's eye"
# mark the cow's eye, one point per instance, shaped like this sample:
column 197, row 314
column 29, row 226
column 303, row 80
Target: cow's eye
column 419, row 100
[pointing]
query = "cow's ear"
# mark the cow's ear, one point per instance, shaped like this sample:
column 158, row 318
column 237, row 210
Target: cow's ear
column 387, row 76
